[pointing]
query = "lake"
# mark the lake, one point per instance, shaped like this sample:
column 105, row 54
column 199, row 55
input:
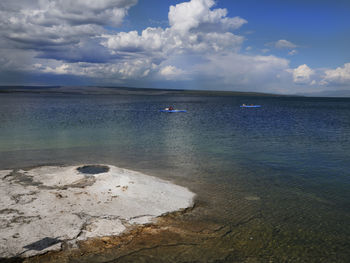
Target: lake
column 275, row 179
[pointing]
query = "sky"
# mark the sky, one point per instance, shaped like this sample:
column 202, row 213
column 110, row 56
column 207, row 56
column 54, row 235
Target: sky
column 285, row 47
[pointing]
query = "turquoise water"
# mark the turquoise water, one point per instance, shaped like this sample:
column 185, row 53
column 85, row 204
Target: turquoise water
column 278, row 175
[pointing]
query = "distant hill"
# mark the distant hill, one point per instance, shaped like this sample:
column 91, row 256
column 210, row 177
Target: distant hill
column 124, row 91
column 329, row 93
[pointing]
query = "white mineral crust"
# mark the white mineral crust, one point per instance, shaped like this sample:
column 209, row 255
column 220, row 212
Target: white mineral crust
column 42, row 207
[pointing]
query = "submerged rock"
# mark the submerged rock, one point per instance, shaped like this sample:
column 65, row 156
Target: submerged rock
column 45, row 206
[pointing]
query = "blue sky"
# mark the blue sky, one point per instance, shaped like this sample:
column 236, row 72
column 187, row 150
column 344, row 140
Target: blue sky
column 267, row 46
column 321, row 28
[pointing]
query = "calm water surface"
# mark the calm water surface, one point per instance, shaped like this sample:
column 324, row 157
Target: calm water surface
column 277, row 176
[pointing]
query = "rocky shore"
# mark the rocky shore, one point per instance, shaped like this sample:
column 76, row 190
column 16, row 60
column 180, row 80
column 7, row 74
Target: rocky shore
column 45, row 207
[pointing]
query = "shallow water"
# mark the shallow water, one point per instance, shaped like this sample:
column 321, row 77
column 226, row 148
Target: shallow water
column 277, row 177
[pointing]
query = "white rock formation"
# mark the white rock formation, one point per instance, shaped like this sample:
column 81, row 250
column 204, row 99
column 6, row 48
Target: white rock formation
column 42, row 207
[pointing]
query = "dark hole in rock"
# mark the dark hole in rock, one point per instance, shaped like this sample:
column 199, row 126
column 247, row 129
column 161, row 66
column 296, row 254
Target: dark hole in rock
column 93, row 169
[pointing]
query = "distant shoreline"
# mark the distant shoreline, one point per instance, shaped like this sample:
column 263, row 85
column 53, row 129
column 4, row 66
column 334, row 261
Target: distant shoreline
column 109, row 90
column 128, row 91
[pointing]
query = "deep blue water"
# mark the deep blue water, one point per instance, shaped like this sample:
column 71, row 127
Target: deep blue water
column 286, row 164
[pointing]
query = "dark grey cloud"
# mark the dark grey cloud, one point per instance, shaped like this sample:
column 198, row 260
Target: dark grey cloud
column 40, row 23
column 90, row 51
column 34, row 31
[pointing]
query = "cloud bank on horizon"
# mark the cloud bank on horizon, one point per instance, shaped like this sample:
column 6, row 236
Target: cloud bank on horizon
column 200, row 48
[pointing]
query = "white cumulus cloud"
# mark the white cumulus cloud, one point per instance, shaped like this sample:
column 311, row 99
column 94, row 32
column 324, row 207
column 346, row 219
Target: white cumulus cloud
column 171, row 72
column 282, row 43
column 193, row 14
column 194, row 26
column 302, row 74
column 195, row 29
column 292, row 52
column 338, row 76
